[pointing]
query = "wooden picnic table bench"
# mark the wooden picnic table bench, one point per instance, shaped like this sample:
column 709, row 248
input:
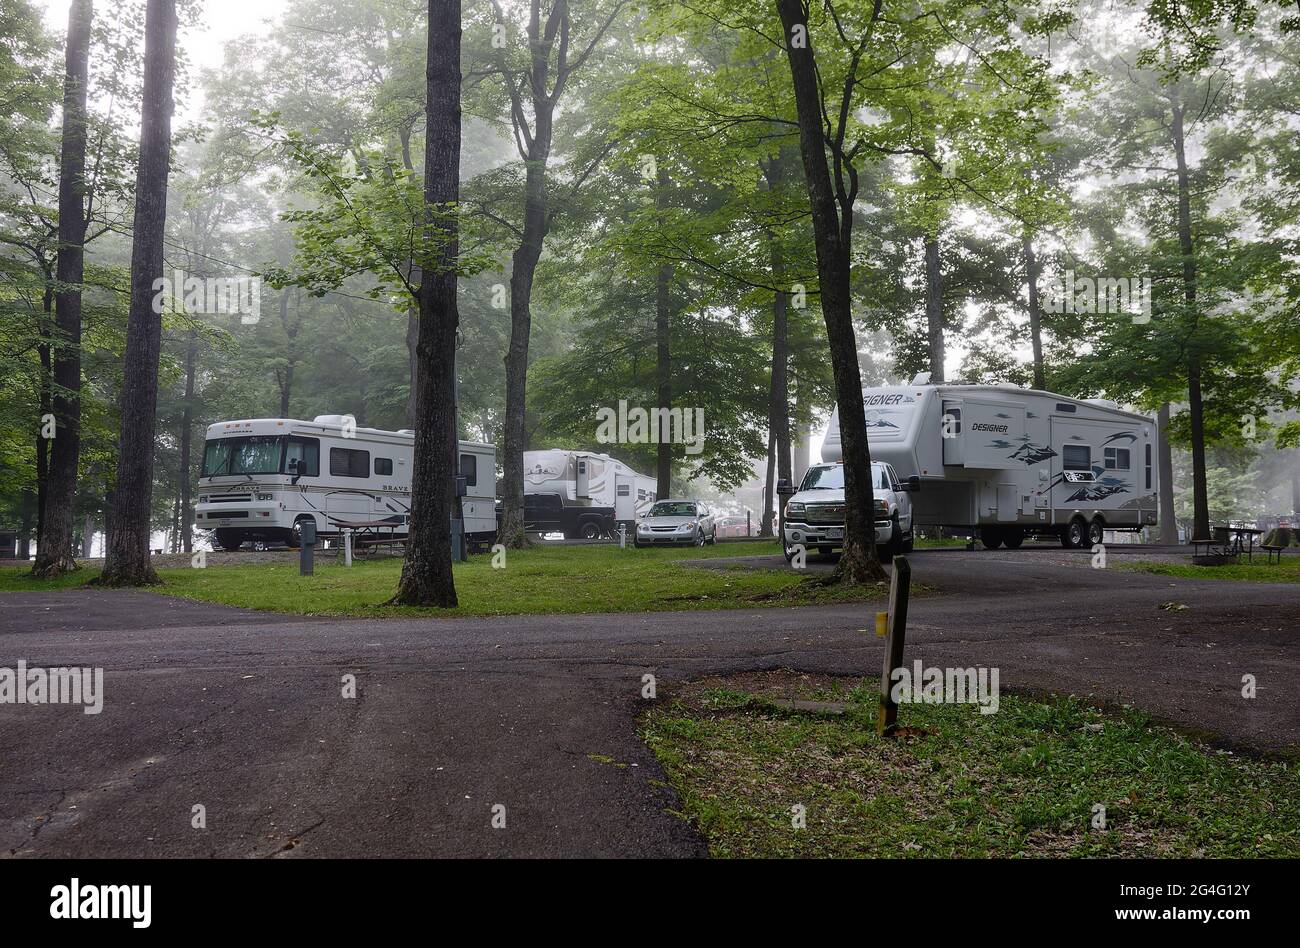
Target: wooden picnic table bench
column 369, row 535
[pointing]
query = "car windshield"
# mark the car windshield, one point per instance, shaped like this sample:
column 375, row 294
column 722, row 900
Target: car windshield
column 252, row 455
column 831, row 477
column 673, row 509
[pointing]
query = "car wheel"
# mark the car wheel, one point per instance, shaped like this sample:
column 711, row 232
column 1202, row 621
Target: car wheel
column 590, row 530
column 1076, row 534
column 789, row 551
column 699, row 538
column 1013, row 539
column 991, row 538
column 1096, row 532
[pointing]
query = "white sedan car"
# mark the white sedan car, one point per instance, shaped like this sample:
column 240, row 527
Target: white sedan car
column 671, row 522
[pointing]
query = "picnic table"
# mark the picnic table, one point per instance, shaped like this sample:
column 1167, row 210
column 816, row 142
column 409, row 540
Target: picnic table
column 369, row 535
column 1227, row 540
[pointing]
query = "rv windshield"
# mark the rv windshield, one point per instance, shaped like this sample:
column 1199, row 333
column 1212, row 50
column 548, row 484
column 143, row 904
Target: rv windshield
column 831, row 477
column 251, row 455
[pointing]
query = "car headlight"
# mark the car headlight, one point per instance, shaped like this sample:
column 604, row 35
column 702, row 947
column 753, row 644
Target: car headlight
column 643, row 528
column 687, row 526
column 795, row 507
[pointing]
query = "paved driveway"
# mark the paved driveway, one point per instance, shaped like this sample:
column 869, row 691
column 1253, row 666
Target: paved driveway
column 243, row 712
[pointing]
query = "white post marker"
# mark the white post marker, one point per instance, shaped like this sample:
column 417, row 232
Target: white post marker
column 347, row 546
column 622, row 536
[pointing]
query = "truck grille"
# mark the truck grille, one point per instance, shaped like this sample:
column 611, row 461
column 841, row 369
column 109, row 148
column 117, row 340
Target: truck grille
column 825, row 513
column 230, row 498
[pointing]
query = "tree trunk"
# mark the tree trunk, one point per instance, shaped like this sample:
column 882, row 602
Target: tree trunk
column 663, row 377
column 1035, row 311
column 426, row 571
column 55, row 553
column 187, row 438
column 1200, row 493
column 934, row 308
column 832, row 234
column 1165, row 509
column 413, row 358
column 87, row 536
column 523, row 269
column 126, row 560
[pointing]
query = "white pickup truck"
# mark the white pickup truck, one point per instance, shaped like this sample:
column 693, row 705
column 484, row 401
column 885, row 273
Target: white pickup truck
column 814, row 514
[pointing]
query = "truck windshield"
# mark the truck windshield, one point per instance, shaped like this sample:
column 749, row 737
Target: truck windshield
column 251, row 455
column 831, row 477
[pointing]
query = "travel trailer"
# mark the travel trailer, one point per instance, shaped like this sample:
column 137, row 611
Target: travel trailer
column 1001, row 463
column 263, row 478
column 582, row 494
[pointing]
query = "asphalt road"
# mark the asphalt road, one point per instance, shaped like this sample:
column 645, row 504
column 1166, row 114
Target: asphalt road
column 243, row 712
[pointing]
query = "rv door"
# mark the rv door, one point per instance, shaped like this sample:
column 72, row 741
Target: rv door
column 950, row 431
column 582, row 485
column 625, row 497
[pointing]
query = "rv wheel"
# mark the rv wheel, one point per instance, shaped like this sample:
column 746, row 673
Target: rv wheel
column 1013, row 539
column 295, row 534
column 991, row 538
column 1076, row 534
column 1095, row 532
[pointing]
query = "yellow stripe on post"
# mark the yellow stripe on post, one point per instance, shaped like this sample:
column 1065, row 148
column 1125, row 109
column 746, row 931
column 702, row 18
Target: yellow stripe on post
column 882, row 624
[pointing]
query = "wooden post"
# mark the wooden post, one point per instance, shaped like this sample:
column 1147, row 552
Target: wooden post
column 899, row 589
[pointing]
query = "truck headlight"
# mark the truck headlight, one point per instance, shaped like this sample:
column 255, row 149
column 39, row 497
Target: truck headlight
column 266, row 497
column 882, row 508
column 795, row 507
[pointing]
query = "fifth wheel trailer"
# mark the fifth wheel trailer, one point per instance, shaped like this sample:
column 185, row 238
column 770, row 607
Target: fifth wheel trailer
column 262, row 478
column 582, row 494
column 1001, row 463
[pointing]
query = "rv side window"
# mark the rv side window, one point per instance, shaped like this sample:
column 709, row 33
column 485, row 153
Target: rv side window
column 1148, row 466
column 306, row 452
column 383, row 465
column 469, row 469
column 625, row 490
column 1077, row 457
column 1065, row 407
column 349, row 462
column 1116, row 459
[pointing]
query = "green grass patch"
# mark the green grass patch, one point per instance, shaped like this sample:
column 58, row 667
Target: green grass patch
column 1021, row 782
column 544, row 579
column 1259, row 571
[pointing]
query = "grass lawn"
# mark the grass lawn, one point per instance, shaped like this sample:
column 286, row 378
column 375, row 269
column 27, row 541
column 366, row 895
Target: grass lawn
column 1020, row 782
column 545, row 579
column 1286, row 571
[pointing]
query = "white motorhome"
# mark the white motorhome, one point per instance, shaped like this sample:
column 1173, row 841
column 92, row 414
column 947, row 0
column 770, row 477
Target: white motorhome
column 1000, row 462
column 582, row 494
column 262, row 478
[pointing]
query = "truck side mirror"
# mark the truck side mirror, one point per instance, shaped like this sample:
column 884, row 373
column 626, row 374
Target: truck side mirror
column 913, row 484
column 785, row 488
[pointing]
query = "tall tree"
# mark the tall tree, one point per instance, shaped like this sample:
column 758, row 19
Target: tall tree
column 426, row 572
column 126, row 560
column 534, row 87
column 823, row 145
column 54, row 553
